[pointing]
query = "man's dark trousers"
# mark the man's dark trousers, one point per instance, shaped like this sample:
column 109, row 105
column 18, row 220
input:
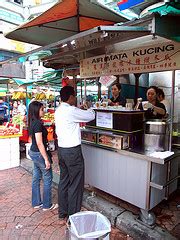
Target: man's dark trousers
column 71, row 183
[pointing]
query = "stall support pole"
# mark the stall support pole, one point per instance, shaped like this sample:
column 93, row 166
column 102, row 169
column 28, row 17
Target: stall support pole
column 26, row 101
column 85, row 90
column 81, row 89
column 75, row 86
column 172, row 110
column 54, row 100
column 137, row 75
column 8, row 102
column 99, row 90
column 109, row 92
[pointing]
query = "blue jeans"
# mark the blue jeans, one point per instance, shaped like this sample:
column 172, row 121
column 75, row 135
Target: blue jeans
column 39, row 172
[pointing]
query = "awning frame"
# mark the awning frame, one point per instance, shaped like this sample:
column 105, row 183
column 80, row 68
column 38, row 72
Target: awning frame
column 72, row 49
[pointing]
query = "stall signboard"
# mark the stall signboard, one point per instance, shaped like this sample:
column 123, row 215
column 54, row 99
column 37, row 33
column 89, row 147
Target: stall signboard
column 153, row 58
column 104, row 119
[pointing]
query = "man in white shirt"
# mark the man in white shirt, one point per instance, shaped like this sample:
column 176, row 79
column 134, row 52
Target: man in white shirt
column 71, row 162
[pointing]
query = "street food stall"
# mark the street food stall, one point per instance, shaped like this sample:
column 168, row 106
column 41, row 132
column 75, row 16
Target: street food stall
column 142, row 169
column 116, row 160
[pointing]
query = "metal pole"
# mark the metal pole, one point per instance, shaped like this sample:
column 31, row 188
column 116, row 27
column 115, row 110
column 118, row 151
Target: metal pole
column 99, row 90
column 54, row 100
column 172, row 110
column 81, row 89
column 26, row 101
column 85, row 90
column 8, row 102
column 137, row 76
column 75, row 85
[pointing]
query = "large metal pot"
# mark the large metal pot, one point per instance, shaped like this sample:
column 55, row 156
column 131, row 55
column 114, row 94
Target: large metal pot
column 155, row 126
column 154, row 142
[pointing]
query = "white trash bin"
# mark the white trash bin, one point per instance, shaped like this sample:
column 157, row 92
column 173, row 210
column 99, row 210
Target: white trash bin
column 89, row 225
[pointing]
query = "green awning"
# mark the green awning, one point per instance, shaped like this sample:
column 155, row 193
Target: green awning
column 12, row 81
column 51, row 78
column 167, row 19
column 172, row 8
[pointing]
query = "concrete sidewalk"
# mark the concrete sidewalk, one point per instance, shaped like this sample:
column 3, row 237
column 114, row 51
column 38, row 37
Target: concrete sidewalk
column 124, row 216
column 19, row 221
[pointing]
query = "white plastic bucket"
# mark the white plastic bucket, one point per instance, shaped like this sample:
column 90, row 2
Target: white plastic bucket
column 89, row 225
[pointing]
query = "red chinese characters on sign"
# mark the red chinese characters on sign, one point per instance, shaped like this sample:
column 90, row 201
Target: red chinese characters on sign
column 138, row 61
column 157, row 57
column 121, row 64
column 146, row 60
column 167, row 57
column 101, row 66
column 114, row 64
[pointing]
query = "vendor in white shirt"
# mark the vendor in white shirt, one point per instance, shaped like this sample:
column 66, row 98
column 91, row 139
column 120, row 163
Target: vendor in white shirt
column 71, row 162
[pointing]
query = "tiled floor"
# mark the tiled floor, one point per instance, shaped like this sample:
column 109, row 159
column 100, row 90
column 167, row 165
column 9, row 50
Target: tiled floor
column 167, row 212
column 19, row 221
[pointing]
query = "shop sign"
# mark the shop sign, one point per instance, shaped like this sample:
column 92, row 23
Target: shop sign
column 97, row 39
column 104, row 119
column 154, row 58
column 11, row 16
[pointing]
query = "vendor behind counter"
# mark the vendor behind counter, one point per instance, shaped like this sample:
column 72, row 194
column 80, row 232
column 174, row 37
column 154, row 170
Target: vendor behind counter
column 117, row 98
column 153, row 108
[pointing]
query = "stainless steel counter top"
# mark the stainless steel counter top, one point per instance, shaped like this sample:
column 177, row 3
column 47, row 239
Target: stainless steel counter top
column 140, row 154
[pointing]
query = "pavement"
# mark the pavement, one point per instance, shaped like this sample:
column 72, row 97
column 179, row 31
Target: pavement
column 18, row 220
column 123, row 216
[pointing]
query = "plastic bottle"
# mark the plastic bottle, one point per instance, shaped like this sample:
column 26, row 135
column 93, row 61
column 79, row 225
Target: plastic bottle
column 139, row 101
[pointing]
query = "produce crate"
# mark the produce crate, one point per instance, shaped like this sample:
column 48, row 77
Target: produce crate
column 25, row 135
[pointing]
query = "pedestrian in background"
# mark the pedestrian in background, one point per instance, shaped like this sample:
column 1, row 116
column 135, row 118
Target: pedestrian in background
column 15, row 109
column 41, row 160
column 22, row 108
column 71, row 162
column 3, row 111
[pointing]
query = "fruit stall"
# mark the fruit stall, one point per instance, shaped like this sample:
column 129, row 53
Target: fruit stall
column 9, row 145
column 48, row 120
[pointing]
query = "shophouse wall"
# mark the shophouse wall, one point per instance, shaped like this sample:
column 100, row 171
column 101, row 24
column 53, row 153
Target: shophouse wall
column 128, row 85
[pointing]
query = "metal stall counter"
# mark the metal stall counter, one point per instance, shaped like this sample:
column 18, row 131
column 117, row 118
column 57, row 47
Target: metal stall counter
column 117, row 163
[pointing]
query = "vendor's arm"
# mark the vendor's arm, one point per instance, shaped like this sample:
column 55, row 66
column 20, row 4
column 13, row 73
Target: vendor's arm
column 111, row 103
column 160, row 109
column 119, row 101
